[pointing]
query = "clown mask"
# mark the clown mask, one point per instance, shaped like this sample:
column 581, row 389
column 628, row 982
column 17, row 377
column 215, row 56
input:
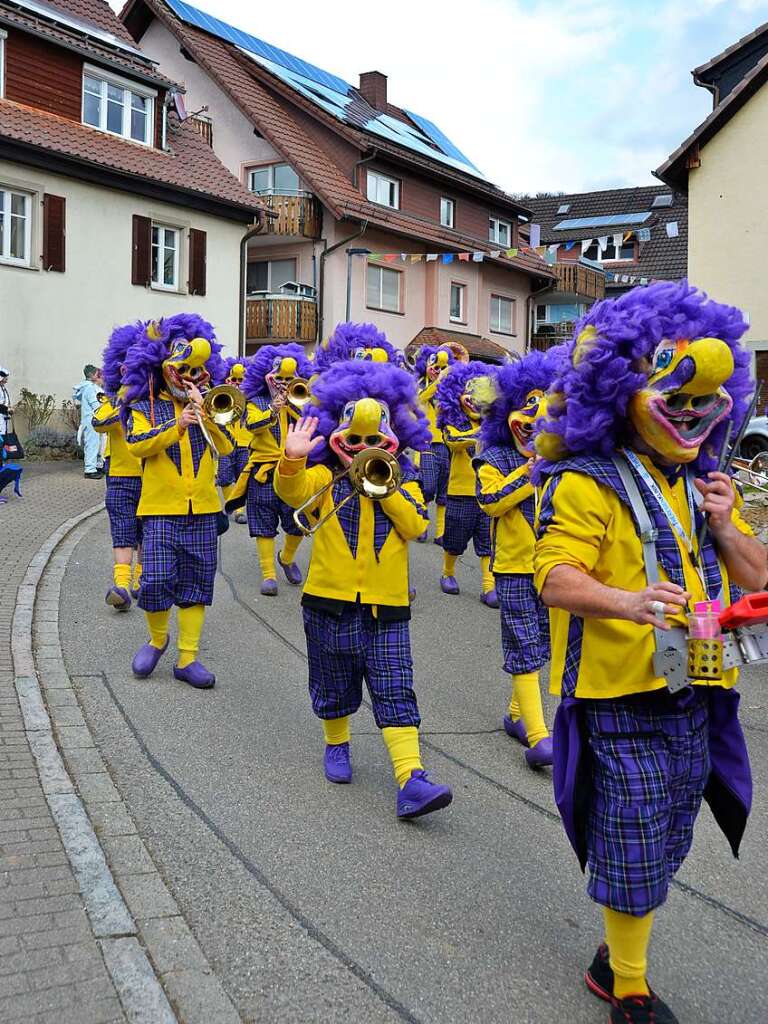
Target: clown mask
column 437, row 362
column 280, row 376
column 186, row 365
column 478, row 393
column 363, row 424
column 684, row 398
column 521, row 421
column 371, row 355
column 236, row 375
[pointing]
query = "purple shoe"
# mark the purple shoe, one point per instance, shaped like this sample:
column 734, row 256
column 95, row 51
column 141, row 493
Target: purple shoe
column 292, row 572
column 541, row 754
column 438, row 541
column 119, row 598
column 421, row 796
column 422, row 539
column 269, row 588
column 195, row 674
column 135, row 591
column 516, row 730
column 490, row 598
column 337, row 764
column 448, row 585
column 412, row 595
column 145, row 660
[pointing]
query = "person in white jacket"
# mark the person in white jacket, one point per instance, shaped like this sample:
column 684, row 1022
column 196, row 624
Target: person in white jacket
column 86, row 393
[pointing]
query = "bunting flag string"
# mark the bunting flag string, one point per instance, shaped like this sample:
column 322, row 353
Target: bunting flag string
column 477, row 256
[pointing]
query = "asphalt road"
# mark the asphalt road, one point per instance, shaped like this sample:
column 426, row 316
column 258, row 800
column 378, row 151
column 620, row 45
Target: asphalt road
column 311, row 901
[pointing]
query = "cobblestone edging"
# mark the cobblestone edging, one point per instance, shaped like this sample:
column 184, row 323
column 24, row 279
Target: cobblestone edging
column 146, row 944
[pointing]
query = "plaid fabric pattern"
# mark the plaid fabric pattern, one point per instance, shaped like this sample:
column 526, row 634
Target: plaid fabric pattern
column 264, row 403
column 650, row 764
column 524, row 623
column 122, row 500
column 434, row 471
column 164, row 413
column 465, row 521
column 346, row 650
column 178, row 561
column 265, row 511
column 231, row 466
column 506, row 461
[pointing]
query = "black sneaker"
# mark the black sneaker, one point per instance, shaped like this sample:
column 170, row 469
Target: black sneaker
column 599, row 975
column 94, row 476
column 641, row 1010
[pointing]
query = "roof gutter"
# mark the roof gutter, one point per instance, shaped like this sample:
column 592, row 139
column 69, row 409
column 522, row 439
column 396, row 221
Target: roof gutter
column 359, row 163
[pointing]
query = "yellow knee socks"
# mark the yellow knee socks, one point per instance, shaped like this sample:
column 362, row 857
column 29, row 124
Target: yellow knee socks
column 514, row 703
column 526, row 691
column 157, row 624
column 439, row 521
column 403, row 745
column 265, row 548
column 488, row 581
column 449, row 564
column 336, row 730
column 122, row 575
column 290, row 547
column 190, row 627
column 627, row 938
column 137, row 575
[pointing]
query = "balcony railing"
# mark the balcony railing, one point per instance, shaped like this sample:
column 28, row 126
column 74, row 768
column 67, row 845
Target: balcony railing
column 299, row 214
column 271, row 317
column 547, row 335
column 576, row 279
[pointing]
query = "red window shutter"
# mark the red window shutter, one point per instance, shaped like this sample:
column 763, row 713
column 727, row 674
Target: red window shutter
column 197, row 261
column 54, row 232
column 141, row 260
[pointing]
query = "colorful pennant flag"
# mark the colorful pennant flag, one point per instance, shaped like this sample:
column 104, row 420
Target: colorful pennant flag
column 464, row 257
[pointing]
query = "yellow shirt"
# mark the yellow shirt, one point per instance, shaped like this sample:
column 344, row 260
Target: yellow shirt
column 266, row 431
column 461, row 444
column 334, row 571
column 106, row 420
column 179, row 470
column 591, row 529
column 502, row 496
column 429, row 407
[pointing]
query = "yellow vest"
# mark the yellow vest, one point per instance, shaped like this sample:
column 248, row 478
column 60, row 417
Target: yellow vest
column 106, row 420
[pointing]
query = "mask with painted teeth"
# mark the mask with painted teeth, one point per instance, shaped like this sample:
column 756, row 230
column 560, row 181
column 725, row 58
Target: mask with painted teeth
column 522, row 421
column 364, row 424
column 280, row 376
column 186, row 365
column 437, row 362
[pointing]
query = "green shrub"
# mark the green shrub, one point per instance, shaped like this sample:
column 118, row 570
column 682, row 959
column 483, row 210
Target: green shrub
column 37, row 408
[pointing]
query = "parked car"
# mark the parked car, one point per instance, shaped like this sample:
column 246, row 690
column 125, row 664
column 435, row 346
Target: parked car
column 755, row 439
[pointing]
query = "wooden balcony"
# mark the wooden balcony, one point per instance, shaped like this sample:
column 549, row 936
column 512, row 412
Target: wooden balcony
column 576, row 279
column 296, row 215
column 547, row 335
column 271, row 318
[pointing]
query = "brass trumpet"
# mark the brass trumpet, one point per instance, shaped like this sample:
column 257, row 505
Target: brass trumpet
column 374, row 473
column 756, row 470
column 298, row 393
column 224, row 404
column 460, row 352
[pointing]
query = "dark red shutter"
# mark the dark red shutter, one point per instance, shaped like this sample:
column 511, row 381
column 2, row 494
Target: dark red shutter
column 197, row 261
column 54, row 232
column 141, row 260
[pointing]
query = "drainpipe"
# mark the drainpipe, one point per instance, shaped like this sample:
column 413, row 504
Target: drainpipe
column 365, row 160
column 529, row 312
column 321, row 284
column 264, row 215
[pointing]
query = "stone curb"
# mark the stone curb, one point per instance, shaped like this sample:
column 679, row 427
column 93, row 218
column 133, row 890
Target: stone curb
column 128, row 904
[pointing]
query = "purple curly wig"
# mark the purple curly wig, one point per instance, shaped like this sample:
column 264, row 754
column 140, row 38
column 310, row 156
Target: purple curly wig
column 260, row 364
column 347, row 337
column 349, row 381
column 144, row 358
column 452, row 387
column 420, row 365
column 514, row 381
column 593, row 417
column 113, row 356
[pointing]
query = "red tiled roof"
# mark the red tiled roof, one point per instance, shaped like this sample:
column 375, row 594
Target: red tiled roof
column 477, row 346
column 244, row 82
column 190, row 166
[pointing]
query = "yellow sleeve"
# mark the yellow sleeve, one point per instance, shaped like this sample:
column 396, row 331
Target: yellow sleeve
column 105, row 417
column 295, row 484
column 144, row 440
column 428, row 393
column 574, row 516
column 497, row 493
column 258, row 419
column 405, row 508
column 460, row 439
column 736, row 518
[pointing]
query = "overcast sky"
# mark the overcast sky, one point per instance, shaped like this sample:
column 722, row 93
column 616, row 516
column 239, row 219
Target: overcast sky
column 563, row 95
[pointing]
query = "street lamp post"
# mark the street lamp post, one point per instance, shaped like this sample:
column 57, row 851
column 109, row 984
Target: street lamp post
column 350, row 253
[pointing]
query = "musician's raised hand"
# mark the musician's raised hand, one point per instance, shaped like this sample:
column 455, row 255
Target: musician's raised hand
column 193, row 393
column 187, row 418
column 301, row 439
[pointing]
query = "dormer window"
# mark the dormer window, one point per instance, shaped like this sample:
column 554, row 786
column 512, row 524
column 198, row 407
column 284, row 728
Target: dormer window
column 382, row 190
column 118, row 106
column 499, row 231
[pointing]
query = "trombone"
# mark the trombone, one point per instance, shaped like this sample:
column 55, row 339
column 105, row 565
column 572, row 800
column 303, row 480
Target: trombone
column 374, row 473
column 222, row 405
column 756, row 470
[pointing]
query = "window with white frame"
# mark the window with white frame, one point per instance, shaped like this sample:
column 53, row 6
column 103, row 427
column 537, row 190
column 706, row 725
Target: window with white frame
column 611, row 253
column 447, row 212
column 383, row 190
column 165, row 257
column 117, row 106
column 458, row 302
column 383, row 289
column 3, row 37
column 15, row 227
column 275, row 180
column 499, row 231
column 269, row 275
column 502, row 315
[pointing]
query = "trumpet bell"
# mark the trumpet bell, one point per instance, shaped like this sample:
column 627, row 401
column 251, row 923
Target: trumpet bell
column 375, row 473
column 460, row 352
column 298, row 392
column 224, row 404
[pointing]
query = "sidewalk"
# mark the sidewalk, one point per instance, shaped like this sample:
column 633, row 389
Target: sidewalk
column 51, row 965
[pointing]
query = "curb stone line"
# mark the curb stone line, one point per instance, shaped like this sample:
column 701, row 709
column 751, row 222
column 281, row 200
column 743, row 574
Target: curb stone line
column 136, row 984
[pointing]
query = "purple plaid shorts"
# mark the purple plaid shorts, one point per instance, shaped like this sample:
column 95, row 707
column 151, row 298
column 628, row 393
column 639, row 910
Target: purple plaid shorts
column 231, row 466
column 178, row 561
column 650, row 764
column 266, row 512
column 344, row 650
column 524, row 623
column 465, row 521
column 122, row 500
column 434, row 470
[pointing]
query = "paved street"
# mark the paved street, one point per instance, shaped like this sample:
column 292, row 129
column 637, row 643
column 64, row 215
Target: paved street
column 312, row 902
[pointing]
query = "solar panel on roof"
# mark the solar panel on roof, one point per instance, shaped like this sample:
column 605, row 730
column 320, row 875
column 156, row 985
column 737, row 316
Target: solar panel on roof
column 69, row 21
column 615, row 220
column 441, row 140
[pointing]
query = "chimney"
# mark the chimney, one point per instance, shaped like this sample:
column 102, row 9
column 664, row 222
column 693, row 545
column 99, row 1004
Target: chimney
column 373, row 87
